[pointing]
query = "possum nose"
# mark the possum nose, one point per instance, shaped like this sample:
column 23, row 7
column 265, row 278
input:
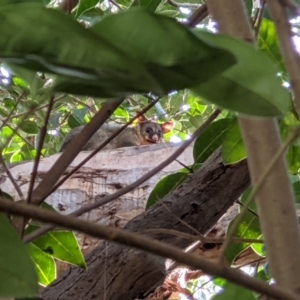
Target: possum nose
column 155, row 137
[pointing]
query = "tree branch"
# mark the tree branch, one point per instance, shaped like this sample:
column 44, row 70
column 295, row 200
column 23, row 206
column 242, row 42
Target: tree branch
column 287, row 46
column 140, row 242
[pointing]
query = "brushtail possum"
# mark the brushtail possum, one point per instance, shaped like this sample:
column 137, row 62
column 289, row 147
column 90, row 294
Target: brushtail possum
column 144, row 133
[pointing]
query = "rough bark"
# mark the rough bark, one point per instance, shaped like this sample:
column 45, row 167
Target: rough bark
column 117, row 272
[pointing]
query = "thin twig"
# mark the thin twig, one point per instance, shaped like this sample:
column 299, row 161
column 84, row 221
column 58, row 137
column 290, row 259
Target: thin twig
column 206, row 240
column 152, row 246
column 199, row 15
column 11, row 112
column 32, row 110
column 250, row 210
column 131, row 186
column 39, row 149
column 11, row 178
column 288, row 50
column 15, row 131
column 259, row 19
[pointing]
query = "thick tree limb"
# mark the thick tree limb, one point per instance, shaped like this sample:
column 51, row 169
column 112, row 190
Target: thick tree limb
column 116, row 272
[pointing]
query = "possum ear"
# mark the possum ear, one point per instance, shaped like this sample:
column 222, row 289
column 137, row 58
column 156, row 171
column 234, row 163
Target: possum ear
column 141, row 118
column 167, row 126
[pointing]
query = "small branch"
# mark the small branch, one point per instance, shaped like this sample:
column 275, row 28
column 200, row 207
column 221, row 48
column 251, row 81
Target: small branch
column 199, row 15
column 11, row 178
column 140, row 242
column 31, row 110
column 131, row 186
column 260, row 15
column 196, row 238
column 250, row 210
column 84, row 104
column 15, row 131
column 11, row 112
column 39, row 149
column 287, row 46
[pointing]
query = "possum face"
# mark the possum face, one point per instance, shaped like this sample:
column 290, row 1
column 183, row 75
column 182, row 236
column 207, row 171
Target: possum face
column 152, row 132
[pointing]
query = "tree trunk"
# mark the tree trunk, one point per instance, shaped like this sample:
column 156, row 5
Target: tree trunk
column 117, row 272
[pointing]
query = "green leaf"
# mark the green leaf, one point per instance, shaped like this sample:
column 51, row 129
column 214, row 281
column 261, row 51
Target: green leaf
column 79, row 114
column 269, row 44
column 17, row 273
column 249, row 7
column 74, row 122
column 85, row 5
column 121, row 113
column 165, row 186
column 210, row 139
column 262, row 275
column 234, row 292
column 16, row 157
column 293, row 159
column 29, row 127
column 151, row 5
column 62, row 245
column 171, row 66
column 245, row 196
column 233, row 149
column 44, row 264
column 219, row 281
column 19, row 82
column 93, row 57
column 249, row 228
column 249, row 87
column 259, row 249
column 296, row 188
column 110, row 59
column 12, row 2
column 54, row 119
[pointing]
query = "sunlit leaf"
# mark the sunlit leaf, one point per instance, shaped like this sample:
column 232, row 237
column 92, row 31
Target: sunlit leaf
column 249, row 228
column 260, row 249
column 44, row 264
column 268, row 42
column 62, row 245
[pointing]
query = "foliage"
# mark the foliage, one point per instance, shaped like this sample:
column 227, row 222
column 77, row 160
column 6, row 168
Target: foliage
column 94, row 53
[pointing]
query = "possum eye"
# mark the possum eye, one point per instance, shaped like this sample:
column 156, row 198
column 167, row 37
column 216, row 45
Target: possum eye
column 159, row 133
column 148, row 130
